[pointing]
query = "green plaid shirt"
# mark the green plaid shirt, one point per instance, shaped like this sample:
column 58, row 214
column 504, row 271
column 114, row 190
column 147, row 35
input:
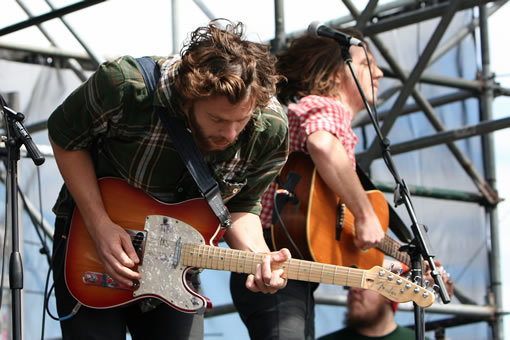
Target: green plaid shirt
column 113, row 117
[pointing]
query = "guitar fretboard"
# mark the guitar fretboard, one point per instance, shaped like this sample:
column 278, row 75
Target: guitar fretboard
column 203, row 256
column 391, row 248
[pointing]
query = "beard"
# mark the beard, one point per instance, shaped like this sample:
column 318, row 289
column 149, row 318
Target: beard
column 204, row 143
column 361, row 319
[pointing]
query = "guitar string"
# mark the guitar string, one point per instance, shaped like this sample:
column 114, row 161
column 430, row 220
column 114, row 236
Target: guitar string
column 338, row 273
column 344, row 278
column 314, row 268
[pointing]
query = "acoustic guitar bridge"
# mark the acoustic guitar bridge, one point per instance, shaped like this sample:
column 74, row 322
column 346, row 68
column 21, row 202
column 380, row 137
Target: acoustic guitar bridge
column 340, row 214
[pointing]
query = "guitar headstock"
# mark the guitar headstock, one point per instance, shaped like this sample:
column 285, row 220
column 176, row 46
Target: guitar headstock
column 397, row 288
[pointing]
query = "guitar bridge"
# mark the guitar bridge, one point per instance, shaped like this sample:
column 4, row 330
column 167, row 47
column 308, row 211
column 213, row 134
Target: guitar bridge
column 104, row 280
column 340, row 215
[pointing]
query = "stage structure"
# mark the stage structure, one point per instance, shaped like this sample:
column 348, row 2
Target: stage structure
column 436, row 108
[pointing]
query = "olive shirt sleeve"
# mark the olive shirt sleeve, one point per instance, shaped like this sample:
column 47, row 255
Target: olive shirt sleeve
column 85, row 114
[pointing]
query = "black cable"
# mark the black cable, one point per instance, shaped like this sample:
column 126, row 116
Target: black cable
column 275, row 209
column 3, row 267
column 47, row 293
column 44, row 249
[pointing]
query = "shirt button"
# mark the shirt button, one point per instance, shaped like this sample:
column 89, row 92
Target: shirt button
column 235, row 191
column 180, row 189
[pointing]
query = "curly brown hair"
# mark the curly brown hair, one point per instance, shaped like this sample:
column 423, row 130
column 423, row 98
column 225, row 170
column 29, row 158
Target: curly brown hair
column 219, row 61
column 310, row 65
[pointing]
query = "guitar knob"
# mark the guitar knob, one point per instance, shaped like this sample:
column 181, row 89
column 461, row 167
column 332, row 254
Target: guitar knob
column 136, row 284
column 399, row 281
column 390, row 277
column 426, row 294
column 416, row 290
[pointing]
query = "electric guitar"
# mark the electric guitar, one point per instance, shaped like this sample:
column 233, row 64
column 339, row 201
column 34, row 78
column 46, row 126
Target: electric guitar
column 174, row 239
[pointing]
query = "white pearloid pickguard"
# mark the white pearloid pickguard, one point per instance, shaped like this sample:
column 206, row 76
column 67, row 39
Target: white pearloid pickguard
column 163, row 276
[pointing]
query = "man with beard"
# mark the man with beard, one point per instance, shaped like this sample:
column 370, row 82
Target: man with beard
column 370, row 316
column 222, row 89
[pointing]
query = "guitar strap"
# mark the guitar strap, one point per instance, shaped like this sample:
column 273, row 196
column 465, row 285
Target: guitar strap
column 186, row 147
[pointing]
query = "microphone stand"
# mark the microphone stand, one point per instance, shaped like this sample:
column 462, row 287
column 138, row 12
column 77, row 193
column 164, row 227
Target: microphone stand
column 16, row 136
column 419, row 248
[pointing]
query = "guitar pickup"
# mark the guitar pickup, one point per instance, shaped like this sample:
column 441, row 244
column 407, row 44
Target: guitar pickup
column 138, row 239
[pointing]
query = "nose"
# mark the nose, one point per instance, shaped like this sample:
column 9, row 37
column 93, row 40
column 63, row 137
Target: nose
column 378, row 73
column 229, row 131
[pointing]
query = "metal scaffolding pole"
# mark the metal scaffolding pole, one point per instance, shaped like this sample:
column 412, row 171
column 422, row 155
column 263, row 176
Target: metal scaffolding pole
column 488, row 154
column 279, row 26
column 175, row 26
column 48, row 16
column 366, row 157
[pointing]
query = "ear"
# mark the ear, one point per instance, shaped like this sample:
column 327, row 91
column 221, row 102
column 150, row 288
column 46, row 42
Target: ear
column 338, row 78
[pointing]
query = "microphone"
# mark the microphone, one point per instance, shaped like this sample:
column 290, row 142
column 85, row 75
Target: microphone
column 318, row 29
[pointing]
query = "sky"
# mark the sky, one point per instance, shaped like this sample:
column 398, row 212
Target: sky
column 118, row 40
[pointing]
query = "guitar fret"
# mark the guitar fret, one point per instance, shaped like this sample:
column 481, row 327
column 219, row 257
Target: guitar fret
column 239, row 265
column 221, row 254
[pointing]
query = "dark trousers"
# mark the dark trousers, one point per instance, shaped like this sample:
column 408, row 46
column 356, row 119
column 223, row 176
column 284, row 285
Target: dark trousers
column 163, row 322
column 287, row 314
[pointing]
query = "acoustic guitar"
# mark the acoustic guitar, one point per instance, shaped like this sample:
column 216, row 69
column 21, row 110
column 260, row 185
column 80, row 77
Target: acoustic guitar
column 174, row 239
column 322, row 227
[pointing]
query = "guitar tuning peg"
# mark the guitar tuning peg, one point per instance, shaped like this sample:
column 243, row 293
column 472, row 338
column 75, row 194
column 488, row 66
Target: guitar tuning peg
column 392, row 265
column 400, row 271
column 417, row 280
column 435, row 289
column 426, row 283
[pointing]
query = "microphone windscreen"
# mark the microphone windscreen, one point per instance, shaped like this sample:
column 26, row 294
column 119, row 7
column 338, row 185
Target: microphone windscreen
column 312, row 28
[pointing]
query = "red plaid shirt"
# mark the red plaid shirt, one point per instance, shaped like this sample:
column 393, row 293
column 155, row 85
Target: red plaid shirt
column 311, row 114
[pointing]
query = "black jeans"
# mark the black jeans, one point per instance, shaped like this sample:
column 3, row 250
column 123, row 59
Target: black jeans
column 163, row 322
column 287, row 314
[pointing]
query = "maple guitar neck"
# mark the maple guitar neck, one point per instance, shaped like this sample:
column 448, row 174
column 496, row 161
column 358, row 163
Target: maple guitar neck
column 208, row 257
column 378, row 279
